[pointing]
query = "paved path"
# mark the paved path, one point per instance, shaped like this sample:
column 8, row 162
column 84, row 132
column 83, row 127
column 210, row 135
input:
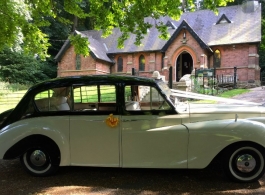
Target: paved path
column 255, row 95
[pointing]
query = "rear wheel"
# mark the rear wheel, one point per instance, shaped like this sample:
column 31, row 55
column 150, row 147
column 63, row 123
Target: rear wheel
column 244, row 163
column 39, row 161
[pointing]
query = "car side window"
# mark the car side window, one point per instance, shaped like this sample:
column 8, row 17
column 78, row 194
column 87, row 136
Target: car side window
column 55, row 99
column 94, row 98
column 139, row 97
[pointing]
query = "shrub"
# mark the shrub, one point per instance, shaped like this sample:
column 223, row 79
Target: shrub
column 24, row 69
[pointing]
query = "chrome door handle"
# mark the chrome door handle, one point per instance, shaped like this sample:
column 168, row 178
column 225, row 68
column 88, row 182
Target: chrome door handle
column 127, row 120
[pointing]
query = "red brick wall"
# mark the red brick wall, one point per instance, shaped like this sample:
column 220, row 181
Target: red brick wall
column 243, row 56
column 67, row 65
column 103, row 67
column 126, row 58
column 233, row 56
column 153, row 61
column 191, row 46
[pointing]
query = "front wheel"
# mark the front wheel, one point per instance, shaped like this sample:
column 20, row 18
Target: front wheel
column 39, row 162
column 244, row 163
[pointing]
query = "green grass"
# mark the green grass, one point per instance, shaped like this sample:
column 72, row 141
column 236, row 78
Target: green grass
column 233, row 92
column 226, row 94
column 10, row 99
column 90, row 94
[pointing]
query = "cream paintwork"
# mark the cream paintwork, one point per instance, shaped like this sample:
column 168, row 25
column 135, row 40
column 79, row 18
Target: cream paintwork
column 225, row 112
column 93, row 142
column 213, row 127
column 150, row 141
column 207, row 139
column 56, row 128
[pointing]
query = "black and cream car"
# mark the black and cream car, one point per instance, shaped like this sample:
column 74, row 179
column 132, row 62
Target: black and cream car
column 130, row 122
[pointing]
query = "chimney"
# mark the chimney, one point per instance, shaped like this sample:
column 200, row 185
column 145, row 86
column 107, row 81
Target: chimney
column 249, row 6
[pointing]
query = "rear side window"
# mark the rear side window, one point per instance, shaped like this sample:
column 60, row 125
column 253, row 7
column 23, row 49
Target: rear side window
column 55, row 99
column 94, row 98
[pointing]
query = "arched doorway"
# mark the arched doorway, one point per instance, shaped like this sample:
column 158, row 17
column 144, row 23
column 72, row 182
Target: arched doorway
column 184, row 65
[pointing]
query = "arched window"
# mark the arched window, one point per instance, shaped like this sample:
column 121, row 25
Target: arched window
column 217, row 59
column 120, row 64
column 141, row 63
column 78, row 62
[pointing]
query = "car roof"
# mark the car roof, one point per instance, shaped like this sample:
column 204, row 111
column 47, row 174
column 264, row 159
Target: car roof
column 72, row 80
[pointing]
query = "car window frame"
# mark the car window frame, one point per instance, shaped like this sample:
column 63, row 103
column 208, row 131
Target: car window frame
column 98, row 112
column 146, row 112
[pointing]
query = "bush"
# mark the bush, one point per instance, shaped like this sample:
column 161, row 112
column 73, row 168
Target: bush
column 197, row 86
column 18, row 68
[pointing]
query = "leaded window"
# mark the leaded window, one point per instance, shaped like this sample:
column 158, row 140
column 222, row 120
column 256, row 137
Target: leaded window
column 120, row 64
column 141, row 63
column 78, row 62
column 217, row 59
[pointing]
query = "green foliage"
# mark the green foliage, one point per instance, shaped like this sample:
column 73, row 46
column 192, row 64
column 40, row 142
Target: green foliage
column 262, row 44
column 214, row 4
column 212, row 82
column 80, row 44
column 22, row 21
column 20, row 26
column 235, row 2
column 197, row 85
column 23, row 69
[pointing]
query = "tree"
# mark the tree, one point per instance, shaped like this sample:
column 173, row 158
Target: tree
column 22, row 20
column 23, row 69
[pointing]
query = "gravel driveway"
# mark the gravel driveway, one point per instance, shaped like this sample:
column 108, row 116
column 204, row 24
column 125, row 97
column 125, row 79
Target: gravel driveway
column 255, row 95
column 112, row 181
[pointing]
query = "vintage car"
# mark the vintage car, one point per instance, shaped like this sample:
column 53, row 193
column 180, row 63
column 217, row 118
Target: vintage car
column 131, row 122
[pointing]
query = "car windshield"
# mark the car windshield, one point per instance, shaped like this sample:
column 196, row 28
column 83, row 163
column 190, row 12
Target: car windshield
column 181, row 99
column 164, row 87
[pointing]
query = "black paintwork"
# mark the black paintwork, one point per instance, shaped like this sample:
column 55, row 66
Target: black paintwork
column 18, row 112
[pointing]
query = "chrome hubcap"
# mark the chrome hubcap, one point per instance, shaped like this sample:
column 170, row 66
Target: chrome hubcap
column 245, row 163
column 38, row 158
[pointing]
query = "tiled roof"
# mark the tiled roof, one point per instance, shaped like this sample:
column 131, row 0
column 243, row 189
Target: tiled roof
column 98, row 49
column 245, row 27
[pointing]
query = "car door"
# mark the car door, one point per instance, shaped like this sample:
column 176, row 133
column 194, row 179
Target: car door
column 152, row 133
column 94, row 126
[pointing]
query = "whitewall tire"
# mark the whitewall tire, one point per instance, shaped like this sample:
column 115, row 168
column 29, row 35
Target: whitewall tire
column 38, row 161
column 244, row 163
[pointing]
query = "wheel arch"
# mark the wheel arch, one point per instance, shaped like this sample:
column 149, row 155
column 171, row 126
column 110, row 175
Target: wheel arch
column 26, row 143
column 251, row 143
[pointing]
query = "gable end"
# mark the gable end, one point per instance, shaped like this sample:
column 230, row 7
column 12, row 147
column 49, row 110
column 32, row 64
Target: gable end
column 185, row 25
column 62, row 51
column 170, row 25
column 223, row 19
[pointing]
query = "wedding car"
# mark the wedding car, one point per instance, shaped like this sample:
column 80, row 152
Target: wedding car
column 131, row 122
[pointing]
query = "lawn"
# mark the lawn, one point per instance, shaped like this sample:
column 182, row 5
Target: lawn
column 9, row 99
column 226, row 94
column 233, row 92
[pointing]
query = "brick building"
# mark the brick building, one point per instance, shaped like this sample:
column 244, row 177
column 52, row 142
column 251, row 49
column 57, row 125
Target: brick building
column 199, row 39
